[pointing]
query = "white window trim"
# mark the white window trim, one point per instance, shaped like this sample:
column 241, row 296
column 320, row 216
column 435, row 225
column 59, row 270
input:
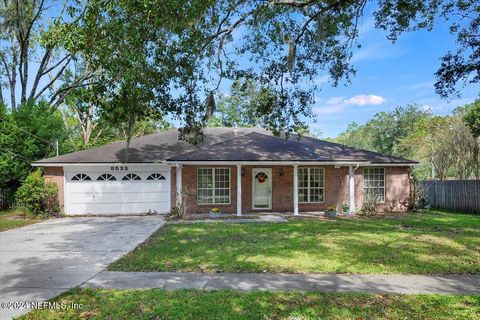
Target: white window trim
column 155, row 180
column 131, row 174
column 81, row 180
column 106, row 180
column 308, row 186
column 213, row 187
column 384, row 182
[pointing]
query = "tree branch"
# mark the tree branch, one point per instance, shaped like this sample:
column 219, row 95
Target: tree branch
column 7, row 70
column 49, row 84
column 227, row 31
column 24, row 39
column 42, row 71
column 12, row 76
column 68, row 56
column 332, row 6
column 297, row 4
column 62, row 93
column 38, row 76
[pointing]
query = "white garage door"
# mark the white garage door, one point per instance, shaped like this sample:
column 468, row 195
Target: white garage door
column 109, row 191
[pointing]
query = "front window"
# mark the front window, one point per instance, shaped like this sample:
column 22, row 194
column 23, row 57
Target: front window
column 213, row 186
column 311, row 185
column 374, row 183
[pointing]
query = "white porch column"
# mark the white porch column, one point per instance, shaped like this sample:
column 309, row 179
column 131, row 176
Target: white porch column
column 295, row 189
column 351, row 189
column 239, row 190
column 179, row 183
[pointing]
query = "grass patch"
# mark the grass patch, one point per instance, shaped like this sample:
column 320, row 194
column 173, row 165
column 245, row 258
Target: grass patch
column 12, row 219
column 433, row 243
column 221, row 304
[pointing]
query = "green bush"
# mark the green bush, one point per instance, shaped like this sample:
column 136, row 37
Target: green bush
column 30, row 195
column 37, row 197
column 50, row 199
column 371, row 205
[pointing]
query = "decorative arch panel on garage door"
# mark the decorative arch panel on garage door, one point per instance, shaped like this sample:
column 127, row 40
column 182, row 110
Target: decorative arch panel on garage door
column 117, row 189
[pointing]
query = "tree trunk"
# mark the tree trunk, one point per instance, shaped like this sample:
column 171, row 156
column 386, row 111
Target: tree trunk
column 87, row 124
column 13, row 81
column 40, row 72
column 13, row 101
column 25, row 72
column 1, row 95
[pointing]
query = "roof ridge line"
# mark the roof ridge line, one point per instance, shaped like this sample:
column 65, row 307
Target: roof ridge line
column 357, row 149
column 209, row 145
column 108, row 144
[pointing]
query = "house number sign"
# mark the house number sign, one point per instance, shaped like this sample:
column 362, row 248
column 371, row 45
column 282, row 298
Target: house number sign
column 118, row 168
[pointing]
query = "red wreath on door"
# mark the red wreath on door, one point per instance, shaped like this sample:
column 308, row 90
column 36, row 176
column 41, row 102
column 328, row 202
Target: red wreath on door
column 261, row 177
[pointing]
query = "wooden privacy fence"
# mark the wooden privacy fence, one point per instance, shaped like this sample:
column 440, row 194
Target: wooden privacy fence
column 460, row 195
column 6, row 199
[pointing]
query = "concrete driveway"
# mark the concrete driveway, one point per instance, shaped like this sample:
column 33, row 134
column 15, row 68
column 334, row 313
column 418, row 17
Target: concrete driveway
column 39, row 261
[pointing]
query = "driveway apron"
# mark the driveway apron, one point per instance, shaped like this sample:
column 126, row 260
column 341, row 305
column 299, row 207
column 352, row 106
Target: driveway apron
column 40, row 261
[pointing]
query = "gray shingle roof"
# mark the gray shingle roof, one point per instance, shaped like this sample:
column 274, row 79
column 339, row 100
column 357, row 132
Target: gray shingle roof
column 223, row 144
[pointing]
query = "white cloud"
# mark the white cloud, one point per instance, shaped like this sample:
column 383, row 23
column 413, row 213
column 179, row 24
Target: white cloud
column 363, row 99
column 335, row 105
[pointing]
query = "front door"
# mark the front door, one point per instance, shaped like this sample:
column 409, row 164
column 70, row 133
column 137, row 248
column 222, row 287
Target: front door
column 262, row 188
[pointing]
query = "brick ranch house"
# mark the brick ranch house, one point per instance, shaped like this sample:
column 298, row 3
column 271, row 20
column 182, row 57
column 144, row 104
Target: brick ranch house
column 267, row 174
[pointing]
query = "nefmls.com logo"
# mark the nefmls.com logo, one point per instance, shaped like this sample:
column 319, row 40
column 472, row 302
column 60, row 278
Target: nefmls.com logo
column 53, row 305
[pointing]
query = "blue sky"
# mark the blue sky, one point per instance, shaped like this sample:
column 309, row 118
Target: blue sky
column 388, row 75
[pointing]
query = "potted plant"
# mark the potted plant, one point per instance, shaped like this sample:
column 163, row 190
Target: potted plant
column 214, row 213
column 331, row 212
column 345, row 208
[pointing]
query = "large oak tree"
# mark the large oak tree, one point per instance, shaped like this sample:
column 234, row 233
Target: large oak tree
column 170, row 57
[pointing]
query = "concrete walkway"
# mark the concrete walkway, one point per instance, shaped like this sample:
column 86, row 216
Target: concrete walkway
column 412, row 284
column 42, row 260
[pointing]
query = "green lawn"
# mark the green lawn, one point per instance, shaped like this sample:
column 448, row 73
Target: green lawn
column 13, row 219
column 192, row 304
column 434, row 243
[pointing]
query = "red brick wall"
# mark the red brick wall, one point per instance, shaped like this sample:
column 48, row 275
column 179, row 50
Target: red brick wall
column 397, row 181
column 397, row 186
column 55, row 174
column 282, row 186
column 336, row 188
column 189, row 181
